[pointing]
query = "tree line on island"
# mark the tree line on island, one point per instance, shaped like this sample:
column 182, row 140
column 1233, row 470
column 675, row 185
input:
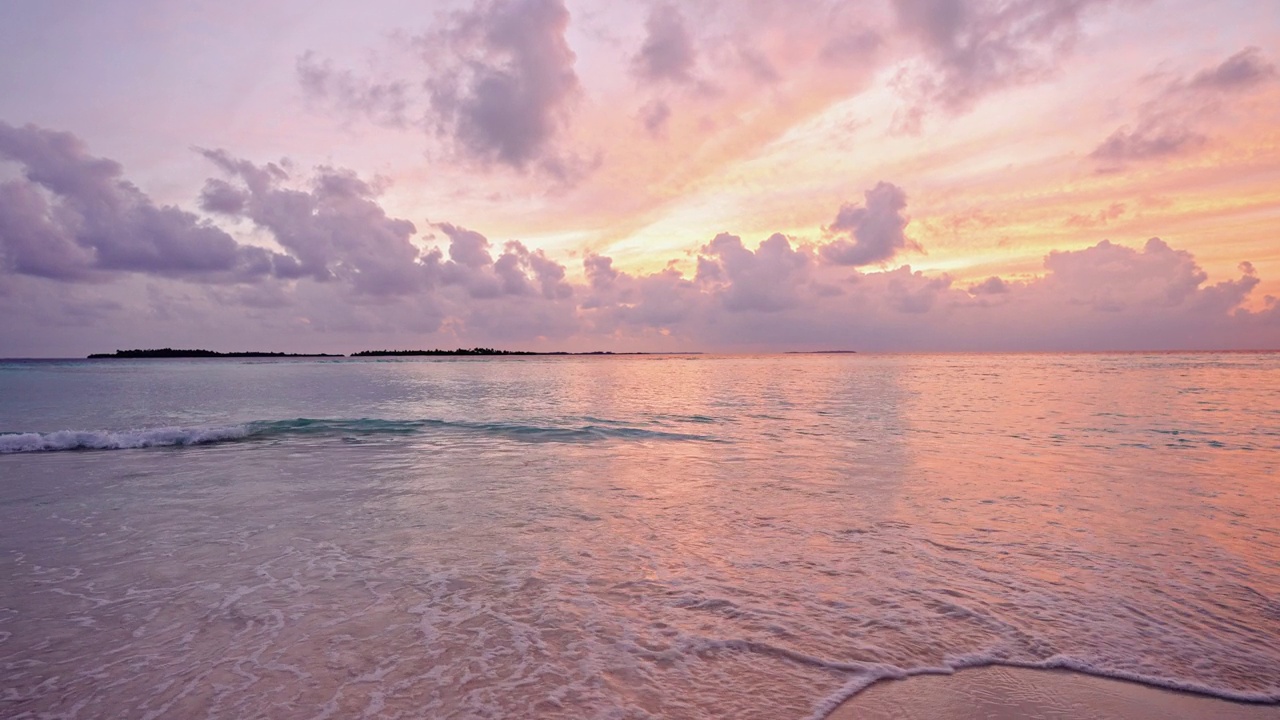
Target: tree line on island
column 459, row 351
column 172, row 353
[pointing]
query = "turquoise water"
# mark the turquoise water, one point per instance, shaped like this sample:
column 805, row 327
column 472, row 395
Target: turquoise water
column 627, row 537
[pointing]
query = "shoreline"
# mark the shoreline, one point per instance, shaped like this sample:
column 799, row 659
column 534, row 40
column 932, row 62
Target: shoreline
column 1003, row 692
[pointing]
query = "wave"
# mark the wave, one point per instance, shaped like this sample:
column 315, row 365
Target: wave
column 117, row 439
column 21, row 442
column 868, row 674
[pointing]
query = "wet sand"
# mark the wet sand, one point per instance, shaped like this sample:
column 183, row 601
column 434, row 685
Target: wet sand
column 1003, row 693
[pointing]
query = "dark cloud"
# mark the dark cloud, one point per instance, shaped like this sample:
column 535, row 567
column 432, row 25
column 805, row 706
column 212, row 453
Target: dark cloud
column 872, row 233
column 385, row 102
column 219, row 196
column 503, row 91
column 975, row 47
column 74, row 215
column 1245, row 69
column 655, row 115
column 1154, row 137
column 495, row 82
column 991, row 286
column 668, row 53
column 32, row 242
column 333, row 230
column 1172, row 123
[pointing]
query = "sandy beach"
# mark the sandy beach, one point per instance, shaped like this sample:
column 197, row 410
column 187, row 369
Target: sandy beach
column 1004, row 693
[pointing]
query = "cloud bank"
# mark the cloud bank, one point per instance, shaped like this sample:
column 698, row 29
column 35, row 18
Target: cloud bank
column 73, row 216
column 85, row 251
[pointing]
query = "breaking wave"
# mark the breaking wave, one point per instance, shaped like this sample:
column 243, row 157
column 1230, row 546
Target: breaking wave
column 19, row 442
column 118, row 439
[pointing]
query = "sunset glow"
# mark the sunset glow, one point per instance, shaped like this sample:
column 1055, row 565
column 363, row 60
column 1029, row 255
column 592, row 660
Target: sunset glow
column 312, row 177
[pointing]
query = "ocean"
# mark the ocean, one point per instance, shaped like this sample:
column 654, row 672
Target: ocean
column 627, row 536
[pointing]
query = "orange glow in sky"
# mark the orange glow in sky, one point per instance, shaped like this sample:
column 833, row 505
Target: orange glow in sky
column 364, row 173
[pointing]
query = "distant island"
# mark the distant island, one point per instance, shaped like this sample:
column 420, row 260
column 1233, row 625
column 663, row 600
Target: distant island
column 476, row 351
column 172, row 353
column 459, row 351
column 491, row 351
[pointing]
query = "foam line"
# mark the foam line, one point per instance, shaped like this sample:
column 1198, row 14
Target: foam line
column 873, row 674
column 19, row 442
column 117, row 440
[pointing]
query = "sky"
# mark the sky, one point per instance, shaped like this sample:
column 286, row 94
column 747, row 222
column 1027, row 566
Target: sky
column 748, row 176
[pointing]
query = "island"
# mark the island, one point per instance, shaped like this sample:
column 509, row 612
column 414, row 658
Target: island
column 490, row 351
column 467, row 352
column 172, row 353
column 459, row 351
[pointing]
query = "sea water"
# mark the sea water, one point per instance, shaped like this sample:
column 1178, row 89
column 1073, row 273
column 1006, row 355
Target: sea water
column 627, row 536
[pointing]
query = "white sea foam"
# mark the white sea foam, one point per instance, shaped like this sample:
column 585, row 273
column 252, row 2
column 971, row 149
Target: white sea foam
column 872, row 674
column 118, row 439
column 169, row 436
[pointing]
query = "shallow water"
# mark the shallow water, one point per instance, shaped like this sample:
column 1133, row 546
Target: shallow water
column 627, row 537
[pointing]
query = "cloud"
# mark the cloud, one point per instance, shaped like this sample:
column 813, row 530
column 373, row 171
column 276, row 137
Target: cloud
column 655, row 116
column 344, row 270
column 765, row 280
column 333, row 230
column 644, row 305
column 1110, row 278
column 503, row 91
column 1172, row 123
column 1245, row 69
column 599, row 271
column 913, row 292
column 517, row 271
column 73, row 216
column 975, row 47
column 1155, row 136
column 668, row 53
column 1102, row 217
column 872, row 233
column 521, row 295
column 32, row 243
column 387, row 103
column 776, row 297
column 1107, row 296
column 851, row 47
column 991, row 286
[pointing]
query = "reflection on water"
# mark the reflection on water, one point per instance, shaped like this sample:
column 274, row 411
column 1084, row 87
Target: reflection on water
column 785, row 528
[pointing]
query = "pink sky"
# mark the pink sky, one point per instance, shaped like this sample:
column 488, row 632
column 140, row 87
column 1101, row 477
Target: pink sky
column 717, row 176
